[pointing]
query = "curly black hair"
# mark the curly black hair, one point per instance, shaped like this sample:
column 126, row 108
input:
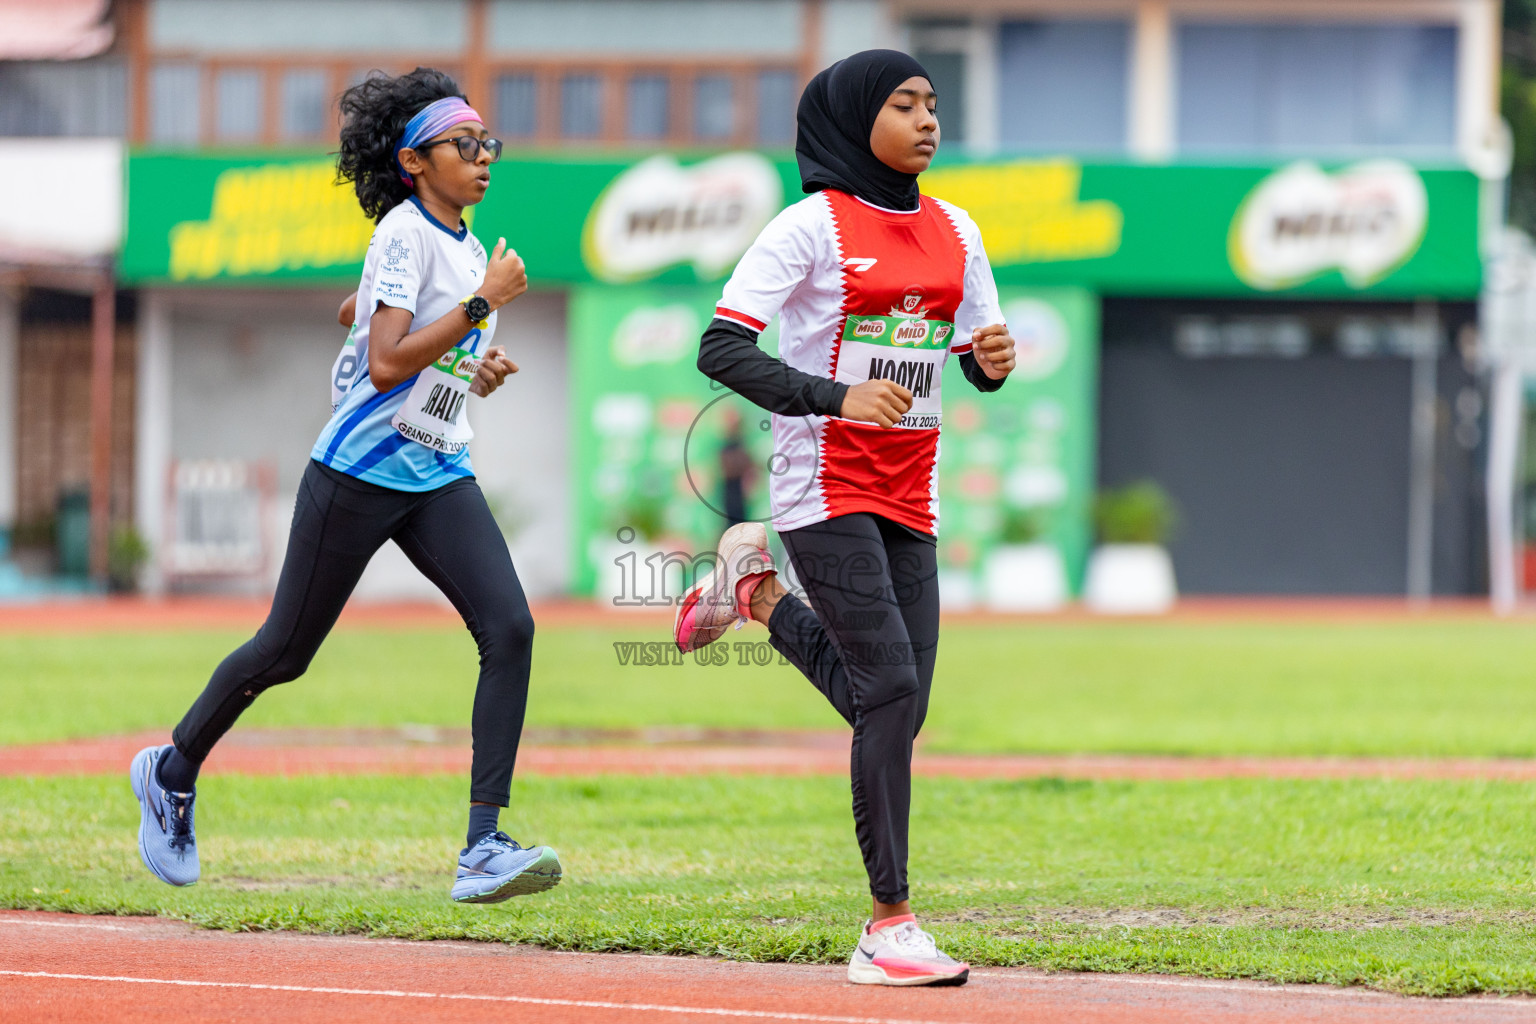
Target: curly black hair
column 374, row 113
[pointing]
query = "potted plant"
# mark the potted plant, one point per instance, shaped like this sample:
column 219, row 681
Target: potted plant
column 126, row 555
column 1130, row 572
column 1024, row 573
column 618, row 553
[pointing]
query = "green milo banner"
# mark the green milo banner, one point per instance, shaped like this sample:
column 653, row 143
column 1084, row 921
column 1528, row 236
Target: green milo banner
column 651, row 437
column 1379, row 228
column 1017, row 465
column 649, row 432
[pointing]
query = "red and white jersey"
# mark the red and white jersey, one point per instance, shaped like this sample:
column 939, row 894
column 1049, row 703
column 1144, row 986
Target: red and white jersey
column 864, row 293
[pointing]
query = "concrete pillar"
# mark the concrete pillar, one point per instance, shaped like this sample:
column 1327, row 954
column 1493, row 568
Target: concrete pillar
column 1477, row 78
column 982, row 87
column 103, row 345
column 1151, row 100
column 10, row 401
column 152, row 432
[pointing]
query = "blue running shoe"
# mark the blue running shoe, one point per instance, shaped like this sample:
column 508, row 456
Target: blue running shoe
column 166, row 840
column 497, row 869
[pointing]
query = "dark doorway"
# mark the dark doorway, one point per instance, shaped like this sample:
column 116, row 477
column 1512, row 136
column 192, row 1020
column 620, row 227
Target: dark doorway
column 1282, row 431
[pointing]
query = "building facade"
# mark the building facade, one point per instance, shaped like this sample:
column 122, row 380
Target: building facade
column 1240, row 239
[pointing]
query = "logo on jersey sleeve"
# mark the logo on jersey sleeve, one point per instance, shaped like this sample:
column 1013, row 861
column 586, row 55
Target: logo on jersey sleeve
column 395, row 253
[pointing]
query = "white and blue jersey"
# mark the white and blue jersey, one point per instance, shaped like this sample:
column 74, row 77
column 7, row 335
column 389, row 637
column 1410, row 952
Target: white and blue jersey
column 416, row 263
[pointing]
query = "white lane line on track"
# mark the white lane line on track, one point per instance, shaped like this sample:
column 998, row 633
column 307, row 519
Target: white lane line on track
column 584, row 1004
column 1085, row 978
column 64, row 924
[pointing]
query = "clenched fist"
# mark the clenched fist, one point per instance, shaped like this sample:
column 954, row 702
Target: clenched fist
column 993, row 348
column 494, row 368
column 505, row 276
column 876, row 401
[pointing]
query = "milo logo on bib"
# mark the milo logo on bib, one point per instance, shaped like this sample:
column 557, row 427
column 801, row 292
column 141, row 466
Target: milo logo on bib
column 433, row 413
column 460, row 363
column 900, row 349
column 898, row 331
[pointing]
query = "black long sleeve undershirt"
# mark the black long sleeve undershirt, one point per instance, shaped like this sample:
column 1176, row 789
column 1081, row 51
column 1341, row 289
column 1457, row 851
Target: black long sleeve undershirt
column 976, row 375
column 728, row 353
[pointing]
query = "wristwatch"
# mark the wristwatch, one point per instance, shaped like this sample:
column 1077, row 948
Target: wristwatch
column 477, row 306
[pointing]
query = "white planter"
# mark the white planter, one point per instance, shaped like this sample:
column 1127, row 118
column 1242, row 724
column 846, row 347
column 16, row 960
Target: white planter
column 627, row 581
column 1025, row 578
column 1130, row 579
column 957, row 590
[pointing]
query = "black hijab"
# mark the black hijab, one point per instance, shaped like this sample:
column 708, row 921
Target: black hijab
column 837, row 112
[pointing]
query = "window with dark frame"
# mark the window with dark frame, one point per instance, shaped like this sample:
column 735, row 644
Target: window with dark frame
column 517, row 106
column 581, row 106
column 778, row 93
column 237, row 106
column 303, row 104
column 648, row 106
column 714, row 107
column 175, row 103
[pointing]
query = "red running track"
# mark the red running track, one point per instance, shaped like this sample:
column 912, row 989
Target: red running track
column 62, row 968
column 140, row 614
column 308, row 752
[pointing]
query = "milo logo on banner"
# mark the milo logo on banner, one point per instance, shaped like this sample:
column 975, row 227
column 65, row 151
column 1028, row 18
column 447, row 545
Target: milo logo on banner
column 1364, row 221
column 898, row 331
column 659, row 213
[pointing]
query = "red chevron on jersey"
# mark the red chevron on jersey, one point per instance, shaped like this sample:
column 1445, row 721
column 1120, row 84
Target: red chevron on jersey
column 863, row 293
column 896, row 266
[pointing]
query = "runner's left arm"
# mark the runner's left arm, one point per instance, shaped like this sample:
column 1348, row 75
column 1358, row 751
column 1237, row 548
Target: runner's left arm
column 347, row 314
column 976, row 375
column 979, row 316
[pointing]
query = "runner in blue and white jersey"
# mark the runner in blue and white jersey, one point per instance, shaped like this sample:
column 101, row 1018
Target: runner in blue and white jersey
column 418, row 264
column 393, row 464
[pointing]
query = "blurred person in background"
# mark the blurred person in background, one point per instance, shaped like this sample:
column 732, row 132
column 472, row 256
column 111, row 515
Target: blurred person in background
column 393, row 464
column 876, row 285
column 736, row 471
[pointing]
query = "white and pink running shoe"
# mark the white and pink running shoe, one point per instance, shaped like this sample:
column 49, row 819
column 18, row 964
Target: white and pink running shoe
column 724, row 596
column 898, row 952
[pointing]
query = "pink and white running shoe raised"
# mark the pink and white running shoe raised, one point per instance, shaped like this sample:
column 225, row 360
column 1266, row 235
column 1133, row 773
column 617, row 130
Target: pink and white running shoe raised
column 898, row 952
column 724, row 596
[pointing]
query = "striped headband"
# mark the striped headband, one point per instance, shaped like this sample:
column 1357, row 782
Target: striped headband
column 437, row 116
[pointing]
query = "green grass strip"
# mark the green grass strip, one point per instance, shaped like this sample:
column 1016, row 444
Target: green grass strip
column 1433, row 688
column 1422, row 887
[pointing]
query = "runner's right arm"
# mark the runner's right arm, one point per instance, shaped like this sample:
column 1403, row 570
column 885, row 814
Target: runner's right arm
column 396, row 353
column 728, row 353
column 776, row 264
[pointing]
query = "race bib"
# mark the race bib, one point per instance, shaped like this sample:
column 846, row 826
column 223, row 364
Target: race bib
column 433, row 413
column 344, row 369
column 909, row 352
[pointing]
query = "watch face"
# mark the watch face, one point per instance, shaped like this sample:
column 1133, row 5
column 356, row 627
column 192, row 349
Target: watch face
column 478, row 308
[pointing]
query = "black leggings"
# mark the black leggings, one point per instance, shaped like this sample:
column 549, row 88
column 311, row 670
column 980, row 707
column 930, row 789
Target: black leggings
column 869, row 647
column 338, row 524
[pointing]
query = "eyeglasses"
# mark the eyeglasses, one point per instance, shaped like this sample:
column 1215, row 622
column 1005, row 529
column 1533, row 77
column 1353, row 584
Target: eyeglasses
column 469, row 147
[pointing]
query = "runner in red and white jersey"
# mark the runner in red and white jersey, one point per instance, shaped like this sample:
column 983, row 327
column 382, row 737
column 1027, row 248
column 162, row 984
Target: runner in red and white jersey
column 863, row 293
column 875, row 286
